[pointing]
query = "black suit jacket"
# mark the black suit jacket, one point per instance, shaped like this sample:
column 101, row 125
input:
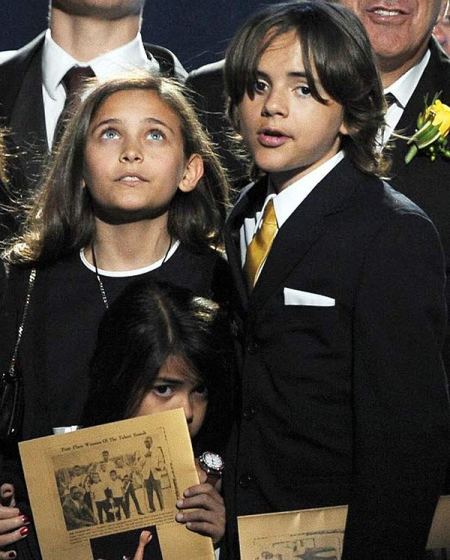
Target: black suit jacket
column 425, row 182
column 22, row 112
column 344, row 404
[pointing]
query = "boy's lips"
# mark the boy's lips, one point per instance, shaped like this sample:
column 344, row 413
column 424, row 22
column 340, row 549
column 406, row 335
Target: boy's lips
column 272, row 137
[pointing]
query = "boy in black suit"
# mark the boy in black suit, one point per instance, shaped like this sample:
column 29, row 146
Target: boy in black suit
column 340, row 301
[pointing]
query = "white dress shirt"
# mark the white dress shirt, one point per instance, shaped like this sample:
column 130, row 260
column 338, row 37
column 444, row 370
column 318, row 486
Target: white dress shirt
column 56, row 62
column 402, row 89
column 286, row 202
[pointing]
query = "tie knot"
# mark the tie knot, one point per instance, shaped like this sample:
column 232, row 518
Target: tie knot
column 269, row 216
column 390, row 99
column 74, row 77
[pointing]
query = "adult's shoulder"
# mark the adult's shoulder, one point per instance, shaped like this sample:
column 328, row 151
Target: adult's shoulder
column 13, row 67
column 169, row 64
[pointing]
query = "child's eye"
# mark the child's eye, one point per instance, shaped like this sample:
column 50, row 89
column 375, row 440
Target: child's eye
column 156, row 135
column 110, row 133
column 260, row 86
column 163, row 390
column 202, row 391
column 303, row 91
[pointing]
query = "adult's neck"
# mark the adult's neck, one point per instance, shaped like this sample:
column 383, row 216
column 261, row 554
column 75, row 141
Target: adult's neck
column 129, row 246
column 391, row 69
column 85, row 38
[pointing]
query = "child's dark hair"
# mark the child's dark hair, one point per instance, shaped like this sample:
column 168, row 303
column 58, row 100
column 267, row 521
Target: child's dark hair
column 149, row 322
column 336, row 48
column 61, row 219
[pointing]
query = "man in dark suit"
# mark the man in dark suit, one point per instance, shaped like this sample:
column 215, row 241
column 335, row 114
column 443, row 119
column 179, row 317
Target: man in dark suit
column 103, row 37
column 412, row 68
column 341, row 319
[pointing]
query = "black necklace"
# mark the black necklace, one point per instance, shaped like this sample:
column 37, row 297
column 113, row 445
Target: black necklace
column 99, row 280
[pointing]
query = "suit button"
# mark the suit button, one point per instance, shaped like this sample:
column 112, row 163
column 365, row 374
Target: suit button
column 248, row 413
column 252, row 346
column 245, row 480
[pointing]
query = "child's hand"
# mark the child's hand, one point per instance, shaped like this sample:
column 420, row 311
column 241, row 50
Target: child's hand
column 12, row 523
column 144, row 538
column 208, row 515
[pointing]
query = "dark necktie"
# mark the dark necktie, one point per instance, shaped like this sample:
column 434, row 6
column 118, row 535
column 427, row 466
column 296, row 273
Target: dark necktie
column 390, row 99
column 73, row 82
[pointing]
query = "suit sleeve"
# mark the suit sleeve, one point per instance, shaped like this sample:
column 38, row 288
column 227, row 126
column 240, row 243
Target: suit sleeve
column 400, row 392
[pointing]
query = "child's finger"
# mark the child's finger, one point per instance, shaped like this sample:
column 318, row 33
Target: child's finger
column 205, row 501
column 205, row 488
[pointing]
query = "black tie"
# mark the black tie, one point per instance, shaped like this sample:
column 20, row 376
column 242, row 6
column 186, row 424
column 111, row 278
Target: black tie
column 73, row 82
column 390, row 99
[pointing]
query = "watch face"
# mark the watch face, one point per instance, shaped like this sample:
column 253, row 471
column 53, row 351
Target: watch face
column 212, row 461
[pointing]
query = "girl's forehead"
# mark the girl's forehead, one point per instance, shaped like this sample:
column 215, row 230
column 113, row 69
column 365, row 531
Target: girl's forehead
column 177, row 367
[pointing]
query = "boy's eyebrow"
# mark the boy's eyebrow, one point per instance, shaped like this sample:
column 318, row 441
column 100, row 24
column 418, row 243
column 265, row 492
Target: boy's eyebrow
column 291, row 74
column 152, row 120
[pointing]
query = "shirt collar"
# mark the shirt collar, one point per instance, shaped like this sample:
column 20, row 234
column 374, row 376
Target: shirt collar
column 291, row 197
column 56, row 62
column 404, row 87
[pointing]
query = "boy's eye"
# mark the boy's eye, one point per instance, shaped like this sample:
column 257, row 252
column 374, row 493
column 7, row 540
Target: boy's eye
column 260, row 86
column 303, row 91
column 163, row 390
column 156, row 135
column 110, row 134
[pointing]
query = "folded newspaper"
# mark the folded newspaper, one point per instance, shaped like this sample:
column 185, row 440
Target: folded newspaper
column 314, row 534
column 110, row 491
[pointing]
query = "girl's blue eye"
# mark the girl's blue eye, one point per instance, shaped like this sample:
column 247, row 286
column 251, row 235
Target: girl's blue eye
column 110, row 134
column 156, row 135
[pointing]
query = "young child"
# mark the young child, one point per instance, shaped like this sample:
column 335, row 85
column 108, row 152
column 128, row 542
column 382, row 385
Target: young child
column 169, row 349
column 340, row 294
column 135, row 190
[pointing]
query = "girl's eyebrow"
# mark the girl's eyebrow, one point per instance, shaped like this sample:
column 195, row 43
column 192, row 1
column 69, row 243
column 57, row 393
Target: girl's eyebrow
column 151, row 120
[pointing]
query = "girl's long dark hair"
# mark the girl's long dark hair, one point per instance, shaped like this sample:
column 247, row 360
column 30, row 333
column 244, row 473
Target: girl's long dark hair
column 60, row 219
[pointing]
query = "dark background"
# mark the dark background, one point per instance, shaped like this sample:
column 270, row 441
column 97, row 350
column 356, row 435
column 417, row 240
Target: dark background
column 197, row 31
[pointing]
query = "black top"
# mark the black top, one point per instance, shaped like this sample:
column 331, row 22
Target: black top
column 60, row 331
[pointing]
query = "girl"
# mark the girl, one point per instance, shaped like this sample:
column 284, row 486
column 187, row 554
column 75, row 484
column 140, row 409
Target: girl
column 134, row 191
column 169, row 349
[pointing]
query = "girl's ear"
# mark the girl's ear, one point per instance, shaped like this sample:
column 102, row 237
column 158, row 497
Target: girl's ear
column 193, row 172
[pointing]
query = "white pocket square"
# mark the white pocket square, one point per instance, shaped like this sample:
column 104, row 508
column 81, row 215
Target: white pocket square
column 298, row 297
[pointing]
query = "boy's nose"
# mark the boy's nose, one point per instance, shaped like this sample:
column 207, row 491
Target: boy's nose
column 275, row 104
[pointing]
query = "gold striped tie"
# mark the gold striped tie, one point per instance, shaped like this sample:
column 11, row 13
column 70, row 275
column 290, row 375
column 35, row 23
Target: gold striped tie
column 260, row 245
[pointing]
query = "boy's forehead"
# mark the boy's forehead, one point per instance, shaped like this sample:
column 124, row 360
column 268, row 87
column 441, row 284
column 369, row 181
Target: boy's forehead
column 284, row 48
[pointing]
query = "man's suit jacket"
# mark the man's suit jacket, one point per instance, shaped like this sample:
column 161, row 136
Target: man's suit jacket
column 22, row 112
column 425, row 182
column 343, row 402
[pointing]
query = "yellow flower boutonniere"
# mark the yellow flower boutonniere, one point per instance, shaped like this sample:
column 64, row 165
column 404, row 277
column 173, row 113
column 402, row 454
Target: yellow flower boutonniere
column 433, row 126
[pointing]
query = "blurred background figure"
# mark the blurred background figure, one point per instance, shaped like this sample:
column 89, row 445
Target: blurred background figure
column 442, row 30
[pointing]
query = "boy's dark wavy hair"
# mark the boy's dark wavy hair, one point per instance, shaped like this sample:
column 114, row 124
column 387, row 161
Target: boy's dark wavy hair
column 149, row 322
column 336, row 49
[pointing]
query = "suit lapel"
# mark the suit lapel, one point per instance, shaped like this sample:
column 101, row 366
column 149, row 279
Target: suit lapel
column 303, row 228
column 250, row 201
column 433, row 81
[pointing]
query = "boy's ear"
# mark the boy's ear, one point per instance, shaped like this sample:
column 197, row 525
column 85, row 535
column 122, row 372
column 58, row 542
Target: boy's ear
column 193, row 172
column 343, row 130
